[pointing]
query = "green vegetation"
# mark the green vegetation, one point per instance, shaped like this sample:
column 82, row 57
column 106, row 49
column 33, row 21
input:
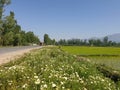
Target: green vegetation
column 48, row 40
column 88, row 42
column 10, row 32
column 110, row 56
column 95, row 51
column 109, row 72
column 53, row 69
column 110, row 61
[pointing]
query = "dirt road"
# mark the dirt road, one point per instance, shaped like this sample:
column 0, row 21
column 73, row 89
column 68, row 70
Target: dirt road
column 8, row 54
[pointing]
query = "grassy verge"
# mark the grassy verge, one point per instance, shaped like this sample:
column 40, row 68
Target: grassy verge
column 53, row 69
column 113, row 62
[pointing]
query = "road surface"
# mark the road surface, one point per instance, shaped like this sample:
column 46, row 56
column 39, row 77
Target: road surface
column 9, row 53
column 13, row 49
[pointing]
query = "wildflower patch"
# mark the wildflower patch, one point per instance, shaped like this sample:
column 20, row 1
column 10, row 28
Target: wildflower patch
column 52, row 69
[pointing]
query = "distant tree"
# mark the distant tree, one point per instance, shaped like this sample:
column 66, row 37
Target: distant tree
column 62, row 42
column 105, row 41
column 36, row 39
column 31, row 38
column 47, row 40
column 98, row 42
column 91, row 42
column 85, row 42
column 53, row 42
column 78, row 42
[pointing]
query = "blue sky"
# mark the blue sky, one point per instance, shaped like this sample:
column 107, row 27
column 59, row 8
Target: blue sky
column 68, row 18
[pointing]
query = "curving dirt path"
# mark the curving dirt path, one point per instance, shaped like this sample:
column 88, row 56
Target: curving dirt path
column 8, row 56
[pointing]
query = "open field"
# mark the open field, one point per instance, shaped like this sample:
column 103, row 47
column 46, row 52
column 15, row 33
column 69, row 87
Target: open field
column 109, row 56
column 95, row 51
column 53, row 69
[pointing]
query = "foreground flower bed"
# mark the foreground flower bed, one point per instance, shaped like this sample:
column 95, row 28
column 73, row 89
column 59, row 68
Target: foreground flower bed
column 52, row 69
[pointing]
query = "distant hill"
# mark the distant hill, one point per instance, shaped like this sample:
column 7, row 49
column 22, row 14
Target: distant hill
column 114, row 37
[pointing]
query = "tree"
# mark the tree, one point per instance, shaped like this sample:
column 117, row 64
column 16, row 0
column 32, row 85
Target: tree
column 91, row 42
column 17, row 29
column 53, row 42
column 3, row 3
column 47, row 40
column 105, row 41
column 36, row 39
column 17, row 40
column 9, row 26
column 9, row 23
column 62, row 42
column 31, row 38
column 98, row 42
column 1, row 41
column 8, row 38
column 10, row 31
column 23, row 38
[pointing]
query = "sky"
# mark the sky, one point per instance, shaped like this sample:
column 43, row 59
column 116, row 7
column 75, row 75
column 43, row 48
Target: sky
column 66, row 19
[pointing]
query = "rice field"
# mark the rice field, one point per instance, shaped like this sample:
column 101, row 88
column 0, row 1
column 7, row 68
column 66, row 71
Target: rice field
column 109, row 56
column 81, row 50
column 53, row 69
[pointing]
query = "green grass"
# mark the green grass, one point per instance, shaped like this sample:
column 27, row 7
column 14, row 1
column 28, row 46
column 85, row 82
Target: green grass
column 81, row 50
column 112, row 61
column 53, row 69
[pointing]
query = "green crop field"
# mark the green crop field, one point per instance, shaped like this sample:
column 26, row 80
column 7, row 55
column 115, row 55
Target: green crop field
column 53, row 69
column 109, row 56
column 81, row 50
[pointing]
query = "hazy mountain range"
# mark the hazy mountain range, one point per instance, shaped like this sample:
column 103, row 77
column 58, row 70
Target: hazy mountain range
column 114, row 37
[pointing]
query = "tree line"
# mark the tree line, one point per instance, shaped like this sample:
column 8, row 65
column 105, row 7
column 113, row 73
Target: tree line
column 90, row 42
column 11, row 33
column 80, row 42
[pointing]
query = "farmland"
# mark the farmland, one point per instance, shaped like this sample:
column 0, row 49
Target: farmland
column 53, row 69
column 109, row 56
column 95, row 51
